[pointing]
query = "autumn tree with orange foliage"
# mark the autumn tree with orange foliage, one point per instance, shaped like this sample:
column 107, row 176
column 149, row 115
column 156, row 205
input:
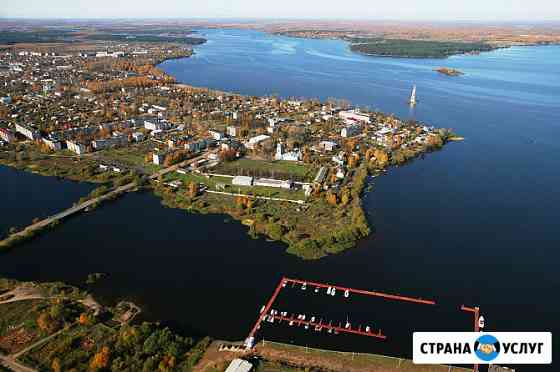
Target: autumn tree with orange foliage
column 101, row 360
column 331, row 197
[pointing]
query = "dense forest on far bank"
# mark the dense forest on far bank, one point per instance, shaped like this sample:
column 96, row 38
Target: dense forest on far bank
column 415, row 48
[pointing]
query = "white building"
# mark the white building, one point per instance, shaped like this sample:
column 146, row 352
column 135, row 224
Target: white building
column 52, row 144
column 76, row 147
column 232, row 131
column 288, row 156
column 256, row 140
column 216, row 135
column 156, row 125
column 354, row 116
column 350, row 131
column 267, row 182
column 239, row 365
column 138, row 136
column 242, row 181
column 31, row 133
column 328, row 145
column 158, row 158
column 7, row 135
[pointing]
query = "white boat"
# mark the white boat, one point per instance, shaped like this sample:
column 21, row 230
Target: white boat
column 316, row 289
column 307, row 326
column 333, row 291
column 262, row 308
column 284, row 284
column 481, row 322
column 329, row 290
column 413, row 96
column 312, row 319
column 291, row 323
column 346, row 293
column 304, row 287
column 368, row 329
column 347, row 325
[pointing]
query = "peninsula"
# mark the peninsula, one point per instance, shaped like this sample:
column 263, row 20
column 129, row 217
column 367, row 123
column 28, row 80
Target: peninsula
column 292, row 170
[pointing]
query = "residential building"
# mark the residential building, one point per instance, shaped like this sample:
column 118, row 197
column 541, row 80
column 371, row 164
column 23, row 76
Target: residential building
column 354, row 116
column 138, row 136
column 232, row 131
column 7, row 135
column 350, row 131
column 158, row 158
column 216, row 135
column 328, row 145
column 31, row 133
column 256, row 140
column 76, row 147
column 53, row 144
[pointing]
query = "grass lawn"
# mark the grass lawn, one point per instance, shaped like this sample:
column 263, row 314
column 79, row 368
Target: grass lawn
column 262, row 168
column 213, row 181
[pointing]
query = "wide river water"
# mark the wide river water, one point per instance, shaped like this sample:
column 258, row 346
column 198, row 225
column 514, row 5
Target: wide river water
column 474, row 224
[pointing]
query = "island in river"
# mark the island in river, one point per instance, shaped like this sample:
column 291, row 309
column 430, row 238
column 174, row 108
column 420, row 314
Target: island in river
column 449, row 71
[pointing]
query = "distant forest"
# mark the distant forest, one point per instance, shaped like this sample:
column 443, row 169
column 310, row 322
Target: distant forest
column 50, row 36
column 415, row 48
column 143, row 38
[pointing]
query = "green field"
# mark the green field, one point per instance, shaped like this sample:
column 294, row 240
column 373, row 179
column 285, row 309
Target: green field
column 214, row 181
column 268, row 169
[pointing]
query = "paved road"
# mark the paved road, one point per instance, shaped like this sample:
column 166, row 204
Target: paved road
column 75, row 209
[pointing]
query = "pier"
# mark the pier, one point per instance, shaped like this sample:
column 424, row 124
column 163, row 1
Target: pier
column 268, row 314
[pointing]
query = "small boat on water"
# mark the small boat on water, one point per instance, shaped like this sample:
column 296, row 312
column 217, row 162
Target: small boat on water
column 291, row 323
column 412, row 100
column 312, row 319
column 316, row 289
column 262, row 308
column 333, row 291
column 346, row 293
column 329, row 290
column 368, row 329
column 304, row 287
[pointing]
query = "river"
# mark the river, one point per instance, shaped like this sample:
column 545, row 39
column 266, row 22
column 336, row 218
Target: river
column 474, row 223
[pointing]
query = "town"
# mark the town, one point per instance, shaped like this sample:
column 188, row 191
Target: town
column 290, row 169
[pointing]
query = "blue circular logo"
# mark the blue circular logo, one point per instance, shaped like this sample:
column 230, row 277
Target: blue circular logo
column 487, row 348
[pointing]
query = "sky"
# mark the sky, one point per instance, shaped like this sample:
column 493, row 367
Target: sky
column 444, row 10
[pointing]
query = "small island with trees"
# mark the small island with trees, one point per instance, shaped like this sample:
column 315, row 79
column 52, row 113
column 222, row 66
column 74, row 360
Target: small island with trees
column 449, row 71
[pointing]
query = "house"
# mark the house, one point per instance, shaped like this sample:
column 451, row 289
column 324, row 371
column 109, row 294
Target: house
column 158, row 158
column 7, row 135
column 242, row 181
column 321, row 175
column 216, row 135
column 31, row 133
column 232, row 131
column 239, row 365
column 156, row 125
column 253, row 141
column 53, row 144
column 354, row 116
column 115, row 141
column 138, row 136
column 328, row 145
column 76, row 147
column 350, row 131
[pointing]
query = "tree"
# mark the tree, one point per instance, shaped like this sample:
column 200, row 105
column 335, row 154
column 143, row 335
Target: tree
column 55, row 365
column 193, row 189
column 101, row 359
column 381, row 157
column 331, row 197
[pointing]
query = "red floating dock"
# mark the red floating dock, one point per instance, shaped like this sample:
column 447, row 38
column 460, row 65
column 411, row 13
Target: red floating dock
column 284, row 281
